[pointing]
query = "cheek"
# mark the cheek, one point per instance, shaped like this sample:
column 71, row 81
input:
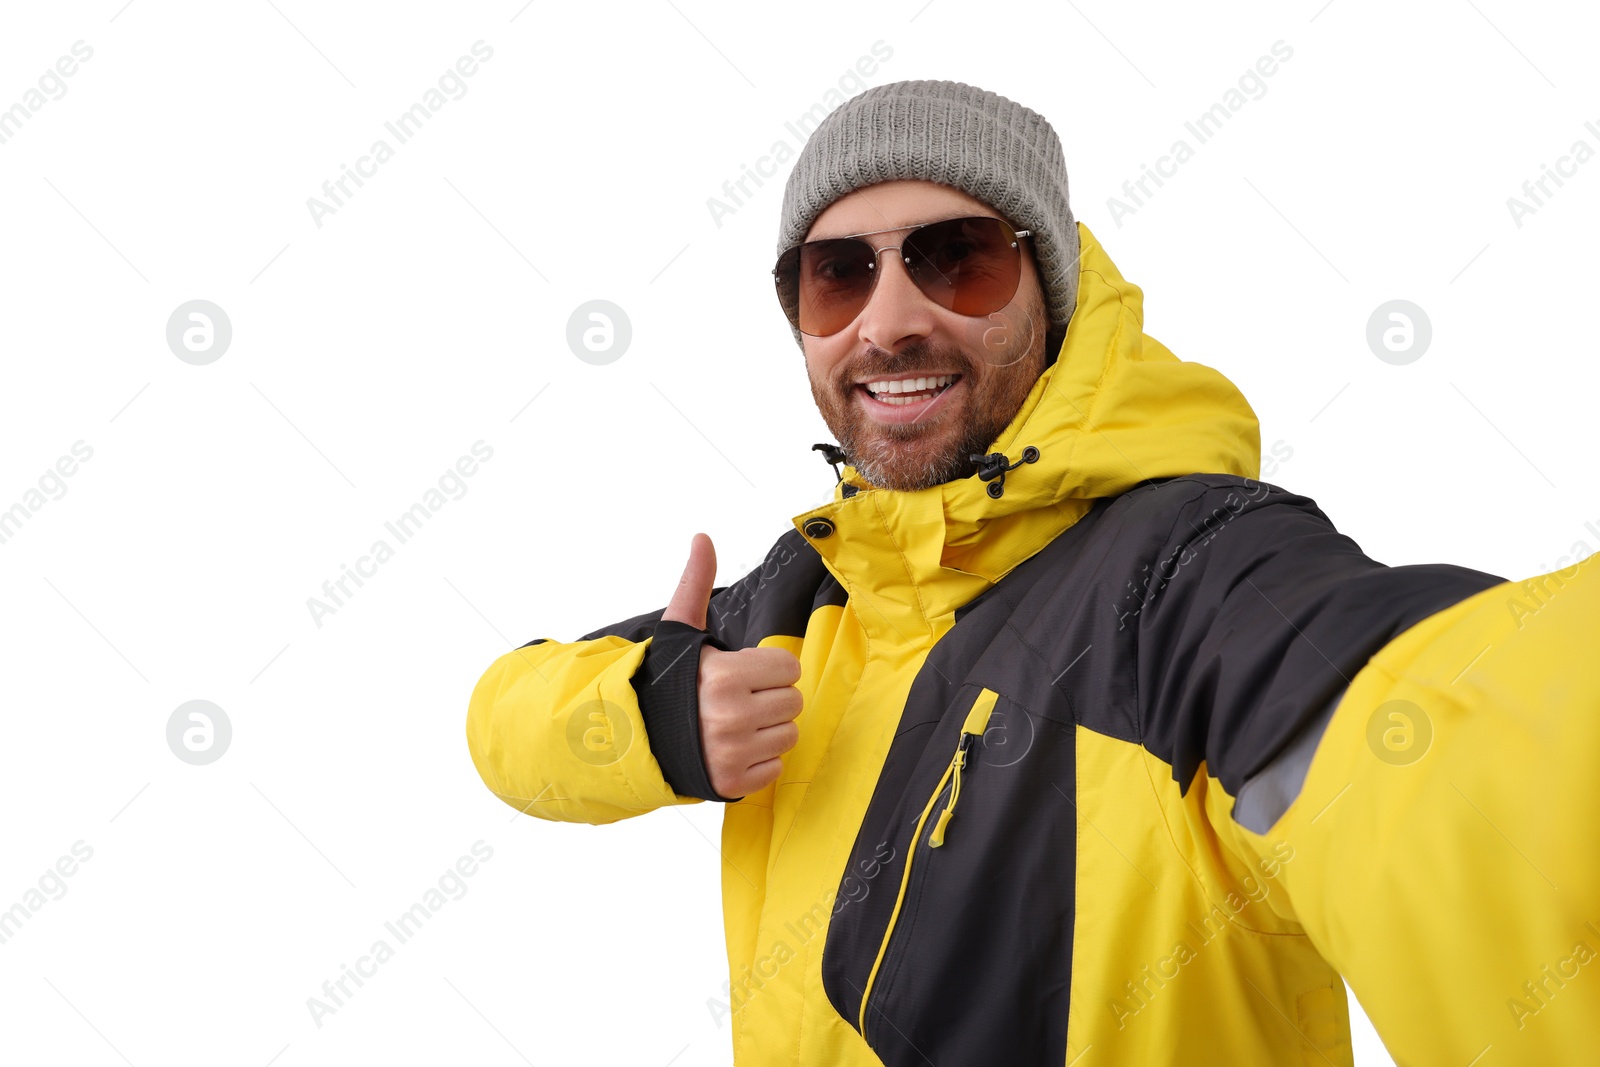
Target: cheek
column 1003, row 337
column 824, row 357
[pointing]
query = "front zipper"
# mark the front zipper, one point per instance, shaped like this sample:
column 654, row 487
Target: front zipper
column 977, row 721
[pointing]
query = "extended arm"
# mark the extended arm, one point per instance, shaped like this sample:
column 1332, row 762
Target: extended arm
column 1421, row 743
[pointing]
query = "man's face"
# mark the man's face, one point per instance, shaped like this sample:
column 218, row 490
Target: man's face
column 901, row 334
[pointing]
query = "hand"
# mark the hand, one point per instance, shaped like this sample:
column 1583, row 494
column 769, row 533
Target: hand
column 748, row 699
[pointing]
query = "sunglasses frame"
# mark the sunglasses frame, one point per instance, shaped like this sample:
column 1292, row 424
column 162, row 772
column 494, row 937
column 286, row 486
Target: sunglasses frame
column 876, row 252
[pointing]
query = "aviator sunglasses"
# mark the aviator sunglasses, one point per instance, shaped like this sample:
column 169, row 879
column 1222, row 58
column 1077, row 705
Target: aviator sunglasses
column 971, row 266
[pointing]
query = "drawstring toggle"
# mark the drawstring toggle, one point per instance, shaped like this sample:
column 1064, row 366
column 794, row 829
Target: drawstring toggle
column 993, row 467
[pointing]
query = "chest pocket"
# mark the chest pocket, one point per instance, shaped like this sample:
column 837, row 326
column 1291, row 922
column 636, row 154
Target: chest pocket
column 959, row 950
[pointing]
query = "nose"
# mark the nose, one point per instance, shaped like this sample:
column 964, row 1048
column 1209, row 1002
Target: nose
column 897, row 312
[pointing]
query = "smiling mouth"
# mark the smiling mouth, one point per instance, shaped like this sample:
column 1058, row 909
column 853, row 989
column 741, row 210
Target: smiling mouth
column 903, row 392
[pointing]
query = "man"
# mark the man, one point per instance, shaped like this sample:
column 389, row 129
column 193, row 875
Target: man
column 1055, row 736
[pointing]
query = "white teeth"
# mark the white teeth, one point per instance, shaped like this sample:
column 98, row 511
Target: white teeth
column 884, row 390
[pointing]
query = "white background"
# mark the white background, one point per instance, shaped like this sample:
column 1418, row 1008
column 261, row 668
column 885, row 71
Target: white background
column 429, row 312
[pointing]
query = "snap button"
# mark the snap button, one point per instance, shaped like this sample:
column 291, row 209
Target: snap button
column 818, row 528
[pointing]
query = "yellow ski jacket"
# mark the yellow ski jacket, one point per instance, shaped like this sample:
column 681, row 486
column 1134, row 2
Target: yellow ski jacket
column 1115, row 756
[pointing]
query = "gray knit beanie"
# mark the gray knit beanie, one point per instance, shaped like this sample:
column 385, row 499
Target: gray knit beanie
column 989, row 147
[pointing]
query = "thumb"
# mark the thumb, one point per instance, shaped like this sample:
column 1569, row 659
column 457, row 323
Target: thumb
column 693, row 595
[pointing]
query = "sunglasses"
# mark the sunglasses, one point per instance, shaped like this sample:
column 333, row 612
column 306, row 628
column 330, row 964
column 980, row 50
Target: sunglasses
column 971, row 266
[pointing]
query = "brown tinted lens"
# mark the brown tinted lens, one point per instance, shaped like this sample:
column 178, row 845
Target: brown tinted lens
column 971, row 266
column 787, row 276
column 823, row 285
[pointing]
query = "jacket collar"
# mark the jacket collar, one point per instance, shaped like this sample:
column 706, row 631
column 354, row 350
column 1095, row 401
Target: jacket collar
column 1117, row 408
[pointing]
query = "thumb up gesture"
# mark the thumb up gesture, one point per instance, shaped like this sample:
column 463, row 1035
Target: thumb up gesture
column 748, row 700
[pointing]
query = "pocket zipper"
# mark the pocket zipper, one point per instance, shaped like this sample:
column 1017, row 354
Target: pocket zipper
column 976, row 722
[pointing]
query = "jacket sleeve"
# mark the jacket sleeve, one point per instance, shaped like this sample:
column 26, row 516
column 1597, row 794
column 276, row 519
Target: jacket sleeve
column 606, row 726
column 1411, row 753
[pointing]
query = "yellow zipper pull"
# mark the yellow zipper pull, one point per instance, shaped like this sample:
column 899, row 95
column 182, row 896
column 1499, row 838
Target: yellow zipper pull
column 956, row 764
column 977, row 722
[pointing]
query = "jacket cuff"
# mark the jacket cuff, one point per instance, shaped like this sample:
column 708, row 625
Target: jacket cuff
column 667, row 683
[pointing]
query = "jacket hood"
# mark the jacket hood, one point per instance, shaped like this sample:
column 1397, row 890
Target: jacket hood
column 1114, row 410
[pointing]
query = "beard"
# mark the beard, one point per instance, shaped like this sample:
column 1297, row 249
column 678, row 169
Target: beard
column 911, row 456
